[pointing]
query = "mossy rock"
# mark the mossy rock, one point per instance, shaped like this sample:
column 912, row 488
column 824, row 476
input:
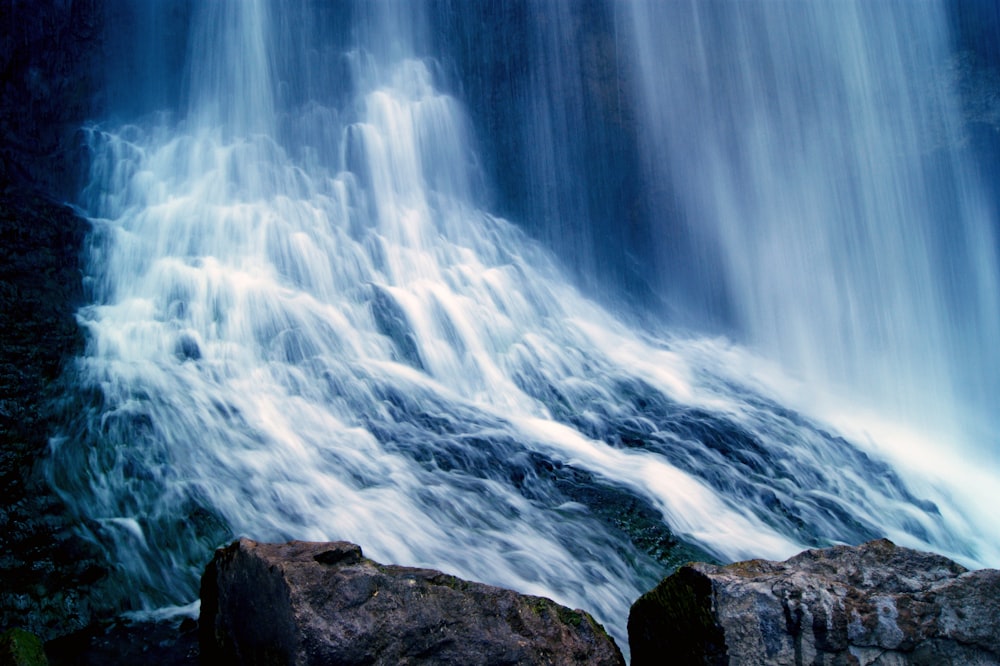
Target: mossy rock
column 676, row 618
column 21, row 648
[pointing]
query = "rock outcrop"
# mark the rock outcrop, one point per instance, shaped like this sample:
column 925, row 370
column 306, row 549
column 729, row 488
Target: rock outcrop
column 42, row 567
column 323, row 603
column 874, row 604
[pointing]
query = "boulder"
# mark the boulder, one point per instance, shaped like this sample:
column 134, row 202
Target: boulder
column 324, row 603
column 874, row 604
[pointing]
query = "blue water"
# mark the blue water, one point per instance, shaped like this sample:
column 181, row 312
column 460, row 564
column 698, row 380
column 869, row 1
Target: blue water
column 310, row 320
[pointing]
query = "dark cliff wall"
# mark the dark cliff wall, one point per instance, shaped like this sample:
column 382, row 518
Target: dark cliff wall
column 48, row 55
column 40, row 288
column 66, row 62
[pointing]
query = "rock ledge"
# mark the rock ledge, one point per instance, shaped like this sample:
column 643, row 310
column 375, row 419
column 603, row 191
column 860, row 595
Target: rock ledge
column 324, row 603
column 874, row 604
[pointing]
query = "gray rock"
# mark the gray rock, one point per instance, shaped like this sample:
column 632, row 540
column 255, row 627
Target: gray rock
column 323, row 603
column 874, row 604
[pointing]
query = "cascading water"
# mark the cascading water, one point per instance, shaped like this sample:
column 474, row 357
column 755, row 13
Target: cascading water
column 305, row 325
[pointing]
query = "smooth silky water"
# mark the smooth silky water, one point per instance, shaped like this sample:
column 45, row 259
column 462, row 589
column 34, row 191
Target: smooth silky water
column 820, row 158
column 305, row 322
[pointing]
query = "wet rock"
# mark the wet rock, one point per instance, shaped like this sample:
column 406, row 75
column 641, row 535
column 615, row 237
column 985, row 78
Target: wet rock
column 40, row 288
column 21, row 648
column 323, row 603
column 874, row 604
column 125, row 642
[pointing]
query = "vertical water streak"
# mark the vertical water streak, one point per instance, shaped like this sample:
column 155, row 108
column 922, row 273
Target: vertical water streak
column 232, row 77
column 816, row 150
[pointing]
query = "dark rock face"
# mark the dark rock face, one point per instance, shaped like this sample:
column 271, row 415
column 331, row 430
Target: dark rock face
column 125, row 642
column 41, row 567
column 323, row 603
column 48, row 53
column 874, row 604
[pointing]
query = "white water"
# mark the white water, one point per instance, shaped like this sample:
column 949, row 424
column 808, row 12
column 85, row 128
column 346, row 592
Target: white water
column 305, row 326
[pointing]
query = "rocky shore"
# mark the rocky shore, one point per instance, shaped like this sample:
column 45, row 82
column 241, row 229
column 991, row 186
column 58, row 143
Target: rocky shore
column 325, row 603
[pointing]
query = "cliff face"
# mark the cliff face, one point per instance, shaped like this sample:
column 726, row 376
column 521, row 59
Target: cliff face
column 874, row 604
column 48, row 50
column 40, row 288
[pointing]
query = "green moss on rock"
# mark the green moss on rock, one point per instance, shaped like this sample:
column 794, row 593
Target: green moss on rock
column 675, row 618
column 21, row 648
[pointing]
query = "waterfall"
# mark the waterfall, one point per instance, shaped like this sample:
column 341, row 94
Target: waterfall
column 305, row 322
column 819, row 159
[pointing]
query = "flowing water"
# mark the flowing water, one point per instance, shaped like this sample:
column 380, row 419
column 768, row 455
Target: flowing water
column 306, row 323
column 818, row 156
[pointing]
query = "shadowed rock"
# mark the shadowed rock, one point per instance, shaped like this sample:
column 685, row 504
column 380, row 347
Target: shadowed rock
column 324, row 603
column 874, row 604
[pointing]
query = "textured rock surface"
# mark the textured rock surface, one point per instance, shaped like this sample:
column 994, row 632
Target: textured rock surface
column 48, row 51
column 874, row 604
column 21, row 648
column 42, row 568
column 323, row 603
